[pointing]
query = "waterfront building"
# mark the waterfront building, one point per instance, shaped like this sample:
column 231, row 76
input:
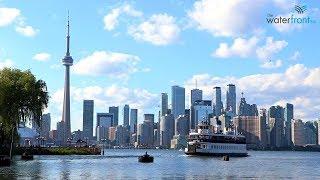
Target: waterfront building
column 246, row 109
column 181, row 125
column 288, row 117
column 297, row 132
column 77, row 135
column 164, row 104
column 225, row 120
column 276, row 124
column 177, row 100
column 115, row 111
column 112, row 133
column 133, row 120
column 104, row 121
column 310, row 129
column 178, row 142
column 53, row 135
column 217, row 104
column 318, row 130
column 122, row 136
column 166, row 130
column 67, row 61
column 126, row 110
column 201, row 110
column 88, row 108
column 196, row 95
column 60, row 133
column 231, row 100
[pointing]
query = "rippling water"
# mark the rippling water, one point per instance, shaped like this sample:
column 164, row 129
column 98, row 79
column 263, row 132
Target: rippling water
column 123, row 164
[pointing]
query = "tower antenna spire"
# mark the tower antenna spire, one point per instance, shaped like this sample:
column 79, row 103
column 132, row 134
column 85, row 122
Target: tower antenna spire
column 68, row 36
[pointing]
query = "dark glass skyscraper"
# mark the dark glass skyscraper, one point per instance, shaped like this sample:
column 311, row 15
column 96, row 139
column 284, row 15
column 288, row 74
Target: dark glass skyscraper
column 217, row 104
column 288, row 117
column 126, row 110
column 177, row 100
column 231, row 101
column 87, row 117
column 115, row 111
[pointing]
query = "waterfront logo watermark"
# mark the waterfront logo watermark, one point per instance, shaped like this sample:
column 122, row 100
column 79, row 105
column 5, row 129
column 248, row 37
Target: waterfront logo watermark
column 300, row 9
column 298, row 16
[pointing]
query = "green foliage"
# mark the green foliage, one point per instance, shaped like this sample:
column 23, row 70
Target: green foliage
column 22, row 98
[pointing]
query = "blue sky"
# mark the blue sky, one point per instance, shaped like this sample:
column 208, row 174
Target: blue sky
column 131, row 51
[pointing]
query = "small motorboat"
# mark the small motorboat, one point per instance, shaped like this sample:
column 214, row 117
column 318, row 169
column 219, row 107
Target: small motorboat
column 146, row 158
column 5, row 161
column 26, row 156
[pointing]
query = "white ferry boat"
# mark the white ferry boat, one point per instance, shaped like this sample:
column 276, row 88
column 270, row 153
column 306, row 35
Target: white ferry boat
column 207, row 142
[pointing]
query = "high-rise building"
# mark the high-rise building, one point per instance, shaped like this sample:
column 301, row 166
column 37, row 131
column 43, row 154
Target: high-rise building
column 149, row 117
column 60, row 133
column 217, row 104
column 225, row 120
column 112, row 133
column 276, row 125
column 166, row 130
column 318, row 128
column 196, row 95
column 145, row 134
column 231, row 99
column 201, row 110
column 115, row 111
column 104, row 121
column 246, row 109
column 126, row 110
column 297, row 132
column 45, row 125
column 164, row 104
column 122, row 136
column 288, row 117
column 88, row 107
column 133, row 120
column 177, row 100
column 310, row 133
column 67, row 61
column 181, row 125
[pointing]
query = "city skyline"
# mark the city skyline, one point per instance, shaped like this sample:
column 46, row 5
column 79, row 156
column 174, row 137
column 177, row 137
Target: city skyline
column 268, row 64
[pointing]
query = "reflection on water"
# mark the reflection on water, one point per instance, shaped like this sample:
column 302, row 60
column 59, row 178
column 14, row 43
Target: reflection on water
column 123, row 164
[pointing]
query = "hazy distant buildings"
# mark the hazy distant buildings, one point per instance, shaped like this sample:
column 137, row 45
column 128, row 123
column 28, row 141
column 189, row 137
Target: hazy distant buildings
column 88, row 108
column 246, row 109
column 181, row 125
column 126, row 110
column 115, row 111
column 297, row 130
column 164, row 104
column 231, row 99
column 217, row 104
column 177, row 100
column 133, row 120
column 145, row 132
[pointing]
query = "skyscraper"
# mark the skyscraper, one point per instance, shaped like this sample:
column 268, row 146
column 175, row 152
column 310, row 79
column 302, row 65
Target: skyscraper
column 104, row 121
column 288, row 117
column 216, row 101
column 246, row 109
column 196, row 95
column 88, row 107
column 115, row 111
column 164, row 104
column 276, row 124
column 166, row 130
column 202, row 109
column 133, row 120
column 67, row 61
column 231, row 99
column 177, row 100
column 126, row 110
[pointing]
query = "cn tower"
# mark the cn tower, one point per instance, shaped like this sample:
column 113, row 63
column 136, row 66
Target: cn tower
column 67, row 61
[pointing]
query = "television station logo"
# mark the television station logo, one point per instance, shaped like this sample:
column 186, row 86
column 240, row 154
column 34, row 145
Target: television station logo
column 299, row 15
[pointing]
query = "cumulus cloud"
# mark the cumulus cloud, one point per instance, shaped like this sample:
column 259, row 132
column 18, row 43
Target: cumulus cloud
column 240, row 47
column 28, row 31
column 8, row 15
column 270, row 48
column 112, row 64
column 111, row 20
column 159, row 29
column 6, row 63
column 298, row 85
column 42, row 56
column 226, row 18
column 272, row 64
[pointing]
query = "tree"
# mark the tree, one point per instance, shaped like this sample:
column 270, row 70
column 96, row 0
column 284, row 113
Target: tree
column 22, row 98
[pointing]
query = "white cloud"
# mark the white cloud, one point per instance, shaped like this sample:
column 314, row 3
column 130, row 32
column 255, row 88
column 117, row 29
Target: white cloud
column 286, row 27
column 111, row 64
column 296, row 56
column 272, row 64
column 240, row 47
column 6, row 63
column 226, row 18
column 42, row 56
column 159, row 29
column 111, row 20
column 8, row 15
column 298, row 85
column 28, row 31
column 271, row 47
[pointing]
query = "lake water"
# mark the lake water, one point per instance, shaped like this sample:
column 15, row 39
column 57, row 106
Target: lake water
column 168, row 164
